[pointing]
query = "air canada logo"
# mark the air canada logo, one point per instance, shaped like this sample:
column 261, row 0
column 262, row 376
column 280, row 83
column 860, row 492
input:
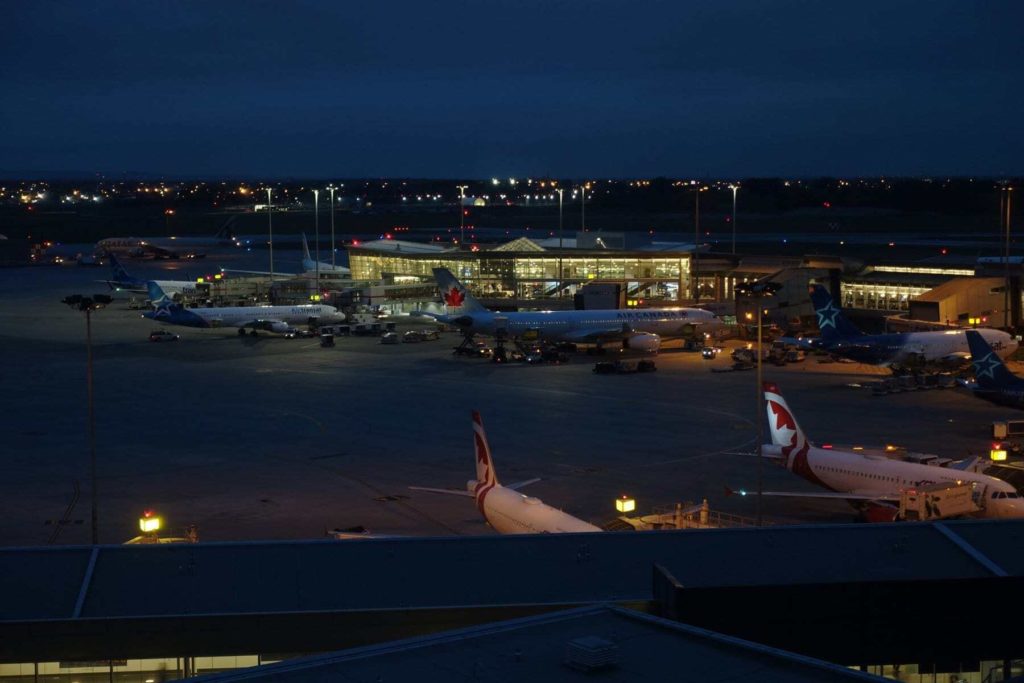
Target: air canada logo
column 784, row 426
column 986, row 367
column 453, row 297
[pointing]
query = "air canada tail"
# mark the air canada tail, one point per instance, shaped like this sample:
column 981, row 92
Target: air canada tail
column 989, row 369
column 485, row 474
column 786, row 433
column 456, row 297
column 831, row 322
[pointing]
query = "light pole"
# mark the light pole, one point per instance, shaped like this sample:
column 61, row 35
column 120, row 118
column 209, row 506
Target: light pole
column 270, row 231
column 695, row 261
column 334, row 263
column 734, row 188
column 1006, row 258
column 88, row 305
column 583, row 207
column 561, row 273
column 462, row 213
column 316, row 223
column 758, row 291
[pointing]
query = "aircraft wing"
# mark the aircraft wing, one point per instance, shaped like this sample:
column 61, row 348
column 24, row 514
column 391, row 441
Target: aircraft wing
column 262, row 272
column 594, row 335
column 826, row 495
column 453, row 492
column 520, row 484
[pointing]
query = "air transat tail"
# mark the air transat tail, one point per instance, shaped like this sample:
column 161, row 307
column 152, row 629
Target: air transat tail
column 305, row 250
column 456, row 297
column 118, row 273
column 786, row 433
column 156, row 294
column 831, row 322
column 989, row 370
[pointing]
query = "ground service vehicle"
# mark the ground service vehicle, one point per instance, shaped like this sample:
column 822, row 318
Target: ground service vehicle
column 162, row 336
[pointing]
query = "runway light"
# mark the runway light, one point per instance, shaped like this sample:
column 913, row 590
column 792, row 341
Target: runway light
column 625, row 504
column 149, row 523
column 997, row 454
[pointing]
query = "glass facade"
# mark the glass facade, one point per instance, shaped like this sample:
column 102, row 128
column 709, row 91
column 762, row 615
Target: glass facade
column 535, row 274
column 879, row 296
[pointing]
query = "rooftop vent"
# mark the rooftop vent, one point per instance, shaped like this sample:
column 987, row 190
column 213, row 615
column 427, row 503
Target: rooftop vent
column 591, row 653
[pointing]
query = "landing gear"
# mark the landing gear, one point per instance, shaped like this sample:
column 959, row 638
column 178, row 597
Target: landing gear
column 241, row 331
column 252, row 333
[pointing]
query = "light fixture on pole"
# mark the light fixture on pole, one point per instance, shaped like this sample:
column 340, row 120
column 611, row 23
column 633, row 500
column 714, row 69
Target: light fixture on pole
column 87, row 305
column 334, row 263
column 270, row 230
column 734, row 188
column 462, row 213
column 758, row 291
column 316, row 223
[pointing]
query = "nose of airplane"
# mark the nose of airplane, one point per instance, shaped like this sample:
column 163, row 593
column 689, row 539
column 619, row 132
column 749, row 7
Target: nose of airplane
column 1012, row 508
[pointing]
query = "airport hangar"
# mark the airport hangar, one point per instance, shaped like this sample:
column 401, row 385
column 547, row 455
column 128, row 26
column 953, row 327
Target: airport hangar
column 925, row 596
column 609, row 272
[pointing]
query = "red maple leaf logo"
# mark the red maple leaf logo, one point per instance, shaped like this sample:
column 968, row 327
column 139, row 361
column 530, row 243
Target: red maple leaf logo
column 453, row 297
column 783, row 420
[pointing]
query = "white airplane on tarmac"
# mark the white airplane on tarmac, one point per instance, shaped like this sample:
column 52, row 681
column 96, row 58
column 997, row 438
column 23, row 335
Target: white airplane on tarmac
column 641, row 329
column 870, row 481
column 271, row 318
column 506, row 510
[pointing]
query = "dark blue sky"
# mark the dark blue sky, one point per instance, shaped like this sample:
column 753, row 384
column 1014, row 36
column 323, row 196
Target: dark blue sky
column 475, row 89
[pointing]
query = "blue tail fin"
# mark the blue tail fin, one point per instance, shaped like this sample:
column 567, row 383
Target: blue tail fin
column 157, row 296
column 989, row 369
column 118, row 273
column 831, row 322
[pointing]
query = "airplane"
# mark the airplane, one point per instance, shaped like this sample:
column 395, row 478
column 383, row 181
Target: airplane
column 121, row 281
column 641, row 329
column 310, row 265
column 993, row 381
column 270, row 318
column 506, row 510
column 170, row 247
column 871, row 482
column 840, row 337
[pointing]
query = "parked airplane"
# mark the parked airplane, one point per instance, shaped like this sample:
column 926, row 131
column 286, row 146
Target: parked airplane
column 507, row 511
column 641, row 329
column 994, row 382
column 841, row 337
column 270, row 318
column 168, row 247
column 121, row 281
column 871, row 482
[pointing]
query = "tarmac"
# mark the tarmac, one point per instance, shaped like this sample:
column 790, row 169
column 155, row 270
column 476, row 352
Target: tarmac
column 273, row 438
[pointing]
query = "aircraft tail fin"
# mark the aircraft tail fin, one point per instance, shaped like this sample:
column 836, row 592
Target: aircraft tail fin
column 486, row 478
column 118, row 273
column 305, row 249
column 157, row 296
column 989, row 370
column 227, row 229
column 456, row 297
column 831, row 321
column 786, row 433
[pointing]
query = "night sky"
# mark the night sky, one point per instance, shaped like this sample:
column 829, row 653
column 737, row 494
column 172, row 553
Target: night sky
column 481, row 89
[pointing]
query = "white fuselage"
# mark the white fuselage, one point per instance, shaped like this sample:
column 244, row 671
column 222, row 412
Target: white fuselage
column 937, row 345
column 847, row 472
column 576, row 325
column 246, row 316
column 510, row 512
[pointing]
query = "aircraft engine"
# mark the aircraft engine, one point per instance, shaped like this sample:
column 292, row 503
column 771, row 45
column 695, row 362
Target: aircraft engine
column 643, row 342
column 278, row 327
